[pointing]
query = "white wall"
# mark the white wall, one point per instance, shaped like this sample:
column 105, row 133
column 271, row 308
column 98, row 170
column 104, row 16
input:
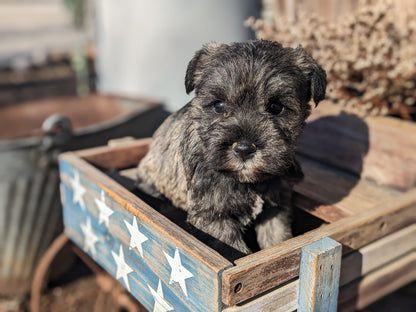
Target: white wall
column 144, row 46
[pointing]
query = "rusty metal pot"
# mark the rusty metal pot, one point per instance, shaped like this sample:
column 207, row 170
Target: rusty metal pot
column 31, row 137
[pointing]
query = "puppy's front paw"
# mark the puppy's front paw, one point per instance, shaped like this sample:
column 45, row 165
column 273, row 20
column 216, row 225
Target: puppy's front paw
column 223, row 229
column 240, row 245
column 273, row 230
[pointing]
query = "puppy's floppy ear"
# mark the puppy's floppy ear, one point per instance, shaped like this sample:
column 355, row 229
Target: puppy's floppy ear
column 196, row 66
column 315, row 73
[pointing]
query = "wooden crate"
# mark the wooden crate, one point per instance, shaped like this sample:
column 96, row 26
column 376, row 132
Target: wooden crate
column 358, row 190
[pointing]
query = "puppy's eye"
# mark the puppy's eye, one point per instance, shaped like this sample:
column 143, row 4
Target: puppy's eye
column 275, row 108
column 220, row 107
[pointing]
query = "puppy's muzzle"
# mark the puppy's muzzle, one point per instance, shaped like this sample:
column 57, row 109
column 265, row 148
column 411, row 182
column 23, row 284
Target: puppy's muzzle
column 244, row 149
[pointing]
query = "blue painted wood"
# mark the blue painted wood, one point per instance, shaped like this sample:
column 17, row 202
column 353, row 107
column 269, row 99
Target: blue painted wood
column 319, row 276
column 161, row 271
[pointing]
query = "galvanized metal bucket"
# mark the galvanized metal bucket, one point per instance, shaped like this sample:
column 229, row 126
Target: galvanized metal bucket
column 31, row 137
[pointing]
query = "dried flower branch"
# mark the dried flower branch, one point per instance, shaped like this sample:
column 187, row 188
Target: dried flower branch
column 370, row 62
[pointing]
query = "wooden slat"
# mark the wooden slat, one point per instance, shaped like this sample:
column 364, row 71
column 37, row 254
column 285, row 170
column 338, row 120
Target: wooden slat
column 282, row 299
column 377, row 254
column 120, row 156
column 375, row 148
column 327, row 213
column 357, row 295
column 320, row 266
column 271, row 267
column 151, row 269
column 391, row 160
column 344, row 193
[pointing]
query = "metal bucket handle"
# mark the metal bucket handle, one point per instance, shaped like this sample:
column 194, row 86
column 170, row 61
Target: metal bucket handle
column 57, row 131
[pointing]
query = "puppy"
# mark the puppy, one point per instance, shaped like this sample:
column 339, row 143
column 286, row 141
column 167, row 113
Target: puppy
column 228, row 157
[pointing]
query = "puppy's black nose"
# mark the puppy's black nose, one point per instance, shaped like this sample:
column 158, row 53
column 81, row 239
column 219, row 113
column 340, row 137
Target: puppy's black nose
column 244, row 149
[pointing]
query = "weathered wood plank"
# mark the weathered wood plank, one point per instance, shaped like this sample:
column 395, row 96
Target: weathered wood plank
column 345, row 192
column 118, row 156
column 319, row 276
column 375, row 148
column 158, row 262
column 282, row 299
column 327, row 213
column 377, row 254
column 271, row 267
column 358, row 294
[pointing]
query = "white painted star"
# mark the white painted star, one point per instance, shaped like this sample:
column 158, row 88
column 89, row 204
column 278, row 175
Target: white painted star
column 161, row 305
column 78, row 190
column 179, row 273
column 123, row 268
column 104, row 212
column 90, row 238
column 137, row 238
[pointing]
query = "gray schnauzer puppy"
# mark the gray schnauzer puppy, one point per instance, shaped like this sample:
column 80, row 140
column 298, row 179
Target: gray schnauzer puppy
column 228, row 157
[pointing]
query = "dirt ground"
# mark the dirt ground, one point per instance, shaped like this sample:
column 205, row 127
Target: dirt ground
column 75, row 296
column 77, row 290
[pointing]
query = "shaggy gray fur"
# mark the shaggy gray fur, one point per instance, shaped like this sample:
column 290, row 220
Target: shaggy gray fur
column 228, row 157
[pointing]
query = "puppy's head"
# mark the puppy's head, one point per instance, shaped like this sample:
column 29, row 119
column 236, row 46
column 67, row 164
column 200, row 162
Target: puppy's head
column 251, row 102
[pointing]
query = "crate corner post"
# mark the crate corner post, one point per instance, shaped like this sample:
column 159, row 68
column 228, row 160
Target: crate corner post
column 319, row 276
